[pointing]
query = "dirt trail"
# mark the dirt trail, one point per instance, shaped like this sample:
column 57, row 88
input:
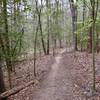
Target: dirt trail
column 68, row 77
column 57, row 85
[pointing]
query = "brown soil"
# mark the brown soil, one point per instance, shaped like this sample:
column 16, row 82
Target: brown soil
column 68, row 76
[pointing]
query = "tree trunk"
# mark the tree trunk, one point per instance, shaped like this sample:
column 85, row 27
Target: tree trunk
column 42, row 39
column 60, row 42
column 90, row 40
column 84, row 11
column 73, row 8
column 97, row 42
column 97, row 34
column 48, row 45
column 48, row 27
column 35, row 44
column 2, row 85
column 17, row 89
column 93, row 17
column 6, row 40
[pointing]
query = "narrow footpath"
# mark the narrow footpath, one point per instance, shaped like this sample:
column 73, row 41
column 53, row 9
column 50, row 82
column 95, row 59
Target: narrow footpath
column 58, row 84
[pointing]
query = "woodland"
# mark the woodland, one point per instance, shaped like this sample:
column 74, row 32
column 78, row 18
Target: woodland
column 49, row 50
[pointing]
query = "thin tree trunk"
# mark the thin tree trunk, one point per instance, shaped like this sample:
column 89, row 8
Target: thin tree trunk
column 84, row 11
column 35, row 44
column 48, row 44
column 73, row 8
column 60, row 42
column 93, row 16
column 40, row 24
column 42, row 39
column 48, row 27
column 7, row 45
column 97, row 42
column 90, row 40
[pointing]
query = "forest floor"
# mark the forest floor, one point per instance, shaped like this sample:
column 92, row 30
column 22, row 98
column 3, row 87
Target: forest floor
column 67, row 76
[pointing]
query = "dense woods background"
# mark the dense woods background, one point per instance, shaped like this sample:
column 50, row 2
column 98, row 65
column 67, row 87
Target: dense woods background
column 33, row 28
